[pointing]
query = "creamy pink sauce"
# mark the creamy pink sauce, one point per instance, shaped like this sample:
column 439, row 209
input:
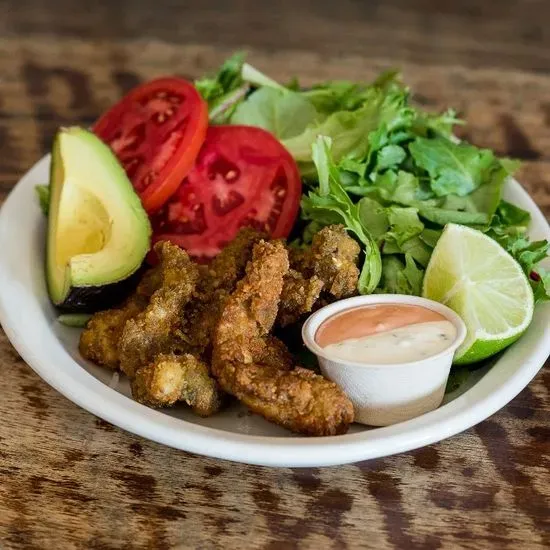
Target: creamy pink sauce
column 365, row 320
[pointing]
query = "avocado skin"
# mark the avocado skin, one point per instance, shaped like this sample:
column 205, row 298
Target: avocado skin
column 89, row 299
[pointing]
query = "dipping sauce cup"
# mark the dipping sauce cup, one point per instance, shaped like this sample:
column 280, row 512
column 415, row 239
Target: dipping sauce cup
column 388, row 392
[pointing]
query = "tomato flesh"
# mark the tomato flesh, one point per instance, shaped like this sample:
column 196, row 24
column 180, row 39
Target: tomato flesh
column 242, row 177
column 156, row 132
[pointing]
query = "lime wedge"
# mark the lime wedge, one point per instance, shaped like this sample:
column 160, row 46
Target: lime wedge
column 474, row 276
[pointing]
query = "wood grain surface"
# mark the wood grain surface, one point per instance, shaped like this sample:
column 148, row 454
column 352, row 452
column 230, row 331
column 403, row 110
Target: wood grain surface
column 69, row 480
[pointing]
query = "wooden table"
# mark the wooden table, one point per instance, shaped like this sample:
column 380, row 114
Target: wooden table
column 71, row 481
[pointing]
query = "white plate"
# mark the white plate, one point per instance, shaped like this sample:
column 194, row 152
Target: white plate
column 51, row 350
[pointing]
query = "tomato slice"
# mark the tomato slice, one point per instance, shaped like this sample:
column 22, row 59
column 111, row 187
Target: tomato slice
column 242, row 177
column 156, row 132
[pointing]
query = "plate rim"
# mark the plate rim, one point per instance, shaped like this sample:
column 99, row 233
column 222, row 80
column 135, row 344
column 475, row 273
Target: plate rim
column 91, row 394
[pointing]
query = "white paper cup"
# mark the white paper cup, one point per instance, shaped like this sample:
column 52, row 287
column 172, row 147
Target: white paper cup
column 389, row 393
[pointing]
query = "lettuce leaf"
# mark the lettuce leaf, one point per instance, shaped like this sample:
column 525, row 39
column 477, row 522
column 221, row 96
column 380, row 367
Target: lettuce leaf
column 454, row 168
column 228, row 87
column 400, row 277
column 330, row 203
column 349, row 130
column 225, row 89
column 283, row 113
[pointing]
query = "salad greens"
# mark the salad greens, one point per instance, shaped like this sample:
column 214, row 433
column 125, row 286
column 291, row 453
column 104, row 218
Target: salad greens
column 43, row 193
column 391, row 173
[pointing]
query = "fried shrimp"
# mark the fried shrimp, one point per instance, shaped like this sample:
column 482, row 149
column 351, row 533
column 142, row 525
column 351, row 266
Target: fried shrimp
column 171, row 378
column 155, row 330
column 297, row 399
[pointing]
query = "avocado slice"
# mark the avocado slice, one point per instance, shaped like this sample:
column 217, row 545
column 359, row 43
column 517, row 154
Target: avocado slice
column 98, row 231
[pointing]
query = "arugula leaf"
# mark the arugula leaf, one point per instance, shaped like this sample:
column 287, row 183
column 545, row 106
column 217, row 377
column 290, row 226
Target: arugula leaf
column 404, row 224
column 509, row 217
column 418, row 250
column 344, row 95
column 389, row 157
column 442, row 216
column 227, row 78
column 225, row 89
column 440, row 124
column 475, row 209
column 455, row 168
column 431, row 236
column 253, row 76
column 541, row 285
column 529, row 255
column 401, row 188
column 331, row 203
column 335, row 96
column 413, row 275
column 283, row 113
column 43, row 194
column 400, row 277
column 373, row 217
column 349, row 130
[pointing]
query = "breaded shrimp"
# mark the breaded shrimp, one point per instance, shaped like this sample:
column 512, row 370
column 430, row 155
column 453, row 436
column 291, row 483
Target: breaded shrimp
column 171, row 378
column 296, row 399
column 154, row 330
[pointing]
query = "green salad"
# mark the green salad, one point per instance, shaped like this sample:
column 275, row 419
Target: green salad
column 392, row 173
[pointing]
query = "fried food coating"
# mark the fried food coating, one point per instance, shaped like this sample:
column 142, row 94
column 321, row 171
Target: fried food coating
column 171, row 378
column 298, row 296
column 216, row 281
column 229, row 265
column 297, row 399
column 250, row 312
column 332, row 258
column 99, row 340
column 155, row 330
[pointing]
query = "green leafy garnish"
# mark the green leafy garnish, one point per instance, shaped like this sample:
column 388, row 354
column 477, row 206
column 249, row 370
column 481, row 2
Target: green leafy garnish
column 43, row 193
column 224, row 90
column 454, row 168
column 77, row 320
column 282, row 112
column 330, row 203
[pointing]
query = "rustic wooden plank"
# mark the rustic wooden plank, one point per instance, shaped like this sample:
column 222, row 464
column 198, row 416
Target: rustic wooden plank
column 70, row 480
column 504, row 34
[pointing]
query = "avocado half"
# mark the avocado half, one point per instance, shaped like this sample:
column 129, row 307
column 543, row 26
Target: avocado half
column 98, row 231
